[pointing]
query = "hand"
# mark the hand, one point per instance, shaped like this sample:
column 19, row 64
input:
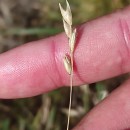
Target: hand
column 102, row 51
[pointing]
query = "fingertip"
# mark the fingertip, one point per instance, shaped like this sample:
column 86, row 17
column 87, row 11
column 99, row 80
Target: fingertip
column 113, row 113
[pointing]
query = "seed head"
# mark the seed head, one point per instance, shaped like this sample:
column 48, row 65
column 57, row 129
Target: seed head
column 67, row 28
column 72, row 40
column 66, row 14
column 67, row 64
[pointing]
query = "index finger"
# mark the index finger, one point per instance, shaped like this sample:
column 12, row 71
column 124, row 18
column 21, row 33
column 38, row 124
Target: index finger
column 102, row 51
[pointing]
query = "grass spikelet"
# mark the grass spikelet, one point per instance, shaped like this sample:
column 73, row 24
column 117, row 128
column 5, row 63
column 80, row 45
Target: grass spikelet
column 68, row 62
column 67, row 28
column 66, row 14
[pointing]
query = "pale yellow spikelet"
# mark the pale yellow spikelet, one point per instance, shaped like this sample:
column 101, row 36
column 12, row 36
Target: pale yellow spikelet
column 68, row 9
column 72, row 40
column 67, row 29
column 66, row 14
column 67, row 64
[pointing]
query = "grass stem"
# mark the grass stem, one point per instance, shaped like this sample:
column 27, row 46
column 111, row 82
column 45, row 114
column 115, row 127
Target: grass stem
column 71, row 90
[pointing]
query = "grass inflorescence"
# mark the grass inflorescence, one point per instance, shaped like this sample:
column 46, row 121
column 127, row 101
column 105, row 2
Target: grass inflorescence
column 69, row 59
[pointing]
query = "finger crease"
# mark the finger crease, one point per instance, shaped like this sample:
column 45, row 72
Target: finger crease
column 55, row 62
column 126, row 33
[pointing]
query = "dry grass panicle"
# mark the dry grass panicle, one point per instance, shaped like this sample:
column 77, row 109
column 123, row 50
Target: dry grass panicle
column 68, row 60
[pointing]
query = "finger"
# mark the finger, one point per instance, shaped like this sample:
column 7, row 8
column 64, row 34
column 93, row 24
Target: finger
column 111, row 114
column 102, row 51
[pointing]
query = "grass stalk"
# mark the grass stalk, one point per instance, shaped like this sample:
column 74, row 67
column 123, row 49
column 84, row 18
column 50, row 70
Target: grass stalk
column 69, row 60
column 71, row 90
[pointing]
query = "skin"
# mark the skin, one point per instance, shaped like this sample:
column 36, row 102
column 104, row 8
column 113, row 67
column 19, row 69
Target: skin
column 102, row 51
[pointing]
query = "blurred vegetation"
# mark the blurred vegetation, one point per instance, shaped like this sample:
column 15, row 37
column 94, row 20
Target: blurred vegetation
column 22, row 21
